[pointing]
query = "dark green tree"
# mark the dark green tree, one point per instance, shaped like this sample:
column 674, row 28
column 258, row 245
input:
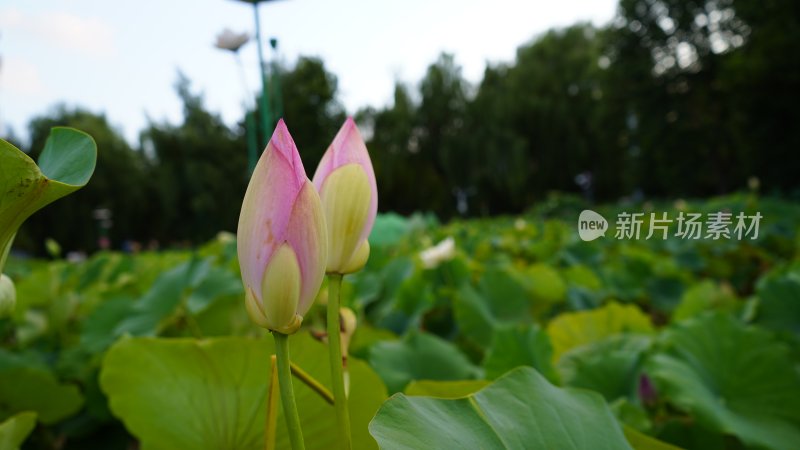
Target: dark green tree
column 441, row 133
column 668, row 61
column 762, row 78
column 558, row 91
column 419, row 151
column 311, row 108
column 405, row 178
column 501, row 163
column 199, row 169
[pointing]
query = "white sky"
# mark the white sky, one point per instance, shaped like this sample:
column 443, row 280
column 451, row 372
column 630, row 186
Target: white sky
column 121, row 57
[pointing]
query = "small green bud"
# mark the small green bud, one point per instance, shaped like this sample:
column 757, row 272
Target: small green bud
column 8, row 296
column 52, row 247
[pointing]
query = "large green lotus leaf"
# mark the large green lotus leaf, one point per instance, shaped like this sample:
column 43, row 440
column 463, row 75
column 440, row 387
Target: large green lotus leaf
column 702, row 297
column 445, row 389
column 40, row 286
column 732, row 378
column 546, row 284
column 16, row 429
column 195, row 283
column 409, row 301
column 22, row 358
column 97, row 331
column 641, row 441
column 474, row 315
column 632, row 414
column 389, row 229
column 367, row 392
column 691, row 435
column 665, row 291
column 582, row 276
column 36, row 389
column 392, row 277
column 507, row 294
column 501, row 299
column 609, row 366
column 210, row 394
column 65, row 165
column 458, row 389
column 419, row 356
column 570, row 330
column 218, row 282
column 519, row 410
column 150, row 312
column 520, row 345
column 365, row 336
column 224, row 317
column 367, row 286
column 779, row 301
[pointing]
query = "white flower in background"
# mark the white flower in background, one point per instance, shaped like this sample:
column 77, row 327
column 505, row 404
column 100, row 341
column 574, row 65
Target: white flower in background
column 225, row 237
column 229, row 40
column 439, row 253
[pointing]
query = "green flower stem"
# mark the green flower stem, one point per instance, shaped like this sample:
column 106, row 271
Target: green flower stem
column 335, row 352
column 5, row 248
column 287, row 392
column 272, row 405
column 312, row 383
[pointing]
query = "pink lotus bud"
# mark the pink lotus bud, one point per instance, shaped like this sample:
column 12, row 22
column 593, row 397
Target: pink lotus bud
column 346, row 184
column 647, row 391
column 282, row 241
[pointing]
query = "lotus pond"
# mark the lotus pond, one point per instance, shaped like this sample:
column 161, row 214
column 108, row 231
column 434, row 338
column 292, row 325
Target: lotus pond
column 511, row 333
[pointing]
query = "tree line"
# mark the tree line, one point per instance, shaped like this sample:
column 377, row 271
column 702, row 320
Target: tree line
column 673, row 98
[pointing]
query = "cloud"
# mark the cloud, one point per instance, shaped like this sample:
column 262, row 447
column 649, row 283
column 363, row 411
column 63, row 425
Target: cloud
column 10, row 18
column 22, row 78
column 88, row 36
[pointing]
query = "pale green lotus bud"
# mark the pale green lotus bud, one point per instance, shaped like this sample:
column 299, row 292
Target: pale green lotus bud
column 346, row 184
column 8, row 296
column 347, row 324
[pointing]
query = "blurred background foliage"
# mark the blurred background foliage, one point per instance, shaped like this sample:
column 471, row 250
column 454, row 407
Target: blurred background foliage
column 672, row 99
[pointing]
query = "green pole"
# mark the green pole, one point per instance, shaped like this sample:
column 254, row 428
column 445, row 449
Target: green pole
column 252, row 140
column 277, row 98
column 266, row 116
